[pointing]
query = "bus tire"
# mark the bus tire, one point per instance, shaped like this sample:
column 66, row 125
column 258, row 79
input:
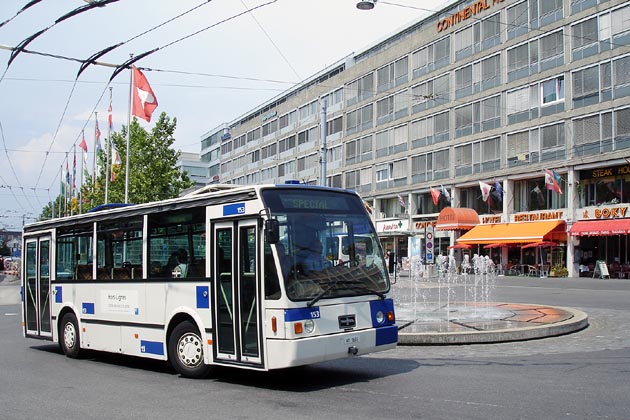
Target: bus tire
column 185, row 351
column 69, row 338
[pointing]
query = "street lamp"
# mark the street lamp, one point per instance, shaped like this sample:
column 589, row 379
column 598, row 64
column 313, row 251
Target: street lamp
column 366, row 4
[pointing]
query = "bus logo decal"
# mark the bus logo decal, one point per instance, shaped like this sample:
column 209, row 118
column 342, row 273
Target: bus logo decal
column 234, row 209
column 203, row 298
column 87, row 308
column 58, row 294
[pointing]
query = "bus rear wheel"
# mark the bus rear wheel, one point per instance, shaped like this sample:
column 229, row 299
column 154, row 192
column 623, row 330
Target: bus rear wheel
column 185, row 351
column 69, row 339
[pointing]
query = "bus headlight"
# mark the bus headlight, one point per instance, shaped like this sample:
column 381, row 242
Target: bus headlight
column 380, row 317
column 309, row 326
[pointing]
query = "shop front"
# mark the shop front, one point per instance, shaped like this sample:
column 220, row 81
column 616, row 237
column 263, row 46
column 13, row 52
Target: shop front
column 529, row 243
column 457, row 220
column 601, row 234
column 394, row 236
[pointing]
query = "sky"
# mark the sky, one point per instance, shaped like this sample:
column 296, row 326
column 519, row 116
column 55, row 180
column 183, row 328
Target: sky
column 214, row 64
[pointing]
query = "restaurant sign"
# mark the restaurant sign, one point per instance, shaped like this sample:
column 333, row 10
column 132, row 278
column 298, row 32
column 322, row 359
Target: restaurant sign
column 536, row 217
column 465, row 14
column 392, row 226
column 605, row 212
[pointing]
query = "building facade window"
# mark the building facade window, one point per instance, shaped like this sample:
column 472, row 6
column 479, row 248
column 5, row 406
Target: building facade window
column 431, row 57
column 359, row 119
column 360, row 89
column 430, row 166
column 430, row 130
column 432, row 93
column 392, row 75
column 359, row 150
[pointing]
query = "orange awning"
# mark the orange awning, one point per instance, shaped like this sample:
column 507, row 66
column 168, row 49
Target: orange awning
column 451, row 218
column 600, row 227
column 510, row 233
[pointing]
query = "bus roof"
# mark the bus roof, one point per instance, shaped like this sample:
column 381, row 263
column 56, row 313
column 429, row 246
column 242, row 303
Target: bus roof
column 208, row 195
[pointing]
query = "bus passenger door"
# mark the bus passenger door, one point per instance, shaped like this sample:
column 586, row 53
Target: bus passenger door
column 236, row 292
column 37, row 287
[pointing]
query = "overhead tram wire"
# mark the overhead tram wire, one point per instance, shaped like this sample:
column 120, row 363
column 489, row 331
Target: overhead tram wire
column 274, row 44
column 129, row 62
column 121, row 67
column 23, row 9
column 92, row 59
column 22, row 45
column 4, row 145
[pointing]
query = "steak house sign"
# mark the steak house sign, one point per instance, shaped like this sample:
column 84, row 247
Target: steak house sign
column 466, row 13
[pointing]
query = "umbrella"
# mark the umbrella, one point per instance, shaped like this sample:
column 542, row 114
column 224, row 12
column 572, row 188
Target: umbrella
column 497, row 245
column 460, row 246
column 543, row 244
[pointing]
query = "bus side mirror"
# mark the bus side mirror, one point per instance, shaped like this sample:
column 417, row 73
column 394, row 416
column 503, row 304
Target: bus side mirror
column 272, row 231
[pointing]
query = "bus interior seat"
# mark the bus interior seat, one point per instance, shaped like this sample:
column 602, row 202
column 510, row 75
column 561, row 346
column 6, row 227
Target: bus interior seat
column 83, row 272
column 121, row 273
column 104, row 273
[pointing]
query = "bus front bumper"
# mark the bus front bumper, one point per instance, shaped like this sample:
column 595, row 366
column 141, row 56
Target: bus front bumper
column 282, row 353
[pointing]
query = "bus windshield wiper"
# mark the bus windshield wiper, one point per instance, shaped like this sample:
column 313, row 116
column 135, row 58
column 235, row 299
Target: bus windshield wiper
column 348, row 284
column 361, row 286
column 321, row 294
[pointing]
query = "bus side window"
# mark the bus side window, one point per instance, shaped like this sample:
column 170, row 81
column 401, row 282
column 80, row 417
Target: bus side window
column 272, row 283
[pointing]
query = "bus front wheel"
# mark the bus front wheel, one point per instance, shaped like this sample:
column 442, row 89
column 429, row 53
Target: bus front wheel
column 69, row 336
column 185, row 351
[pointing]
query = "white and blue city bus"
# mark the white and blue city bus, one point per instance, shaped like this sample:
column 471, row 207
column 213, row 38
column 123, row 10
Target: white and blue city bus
column 231, row 275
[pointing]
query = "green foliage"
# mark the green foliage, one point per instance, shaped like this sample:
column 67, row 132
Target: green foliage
column 153, row 173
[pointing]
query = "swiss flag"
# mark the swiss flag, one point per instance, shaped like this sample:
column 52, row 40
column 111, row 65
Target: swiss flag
column 144, row 100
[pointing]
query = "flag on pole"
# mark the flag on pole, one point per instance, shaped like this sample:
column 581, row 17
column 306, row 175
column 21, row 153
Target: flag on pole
column 115, row 163
column 435, row 195
column 110, row 119
column 497, row 186
column 445, row 193
column 83, row 144
column 68, row 180
column 485, row 191
column 144, row 100
column 401, row 201
column 74, row 172
column 97, row 138
column 539, row 195
column 551, row 183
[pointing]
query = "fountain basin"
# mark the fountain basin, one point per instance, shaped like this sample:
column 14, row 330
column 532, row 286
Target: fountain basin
column 487, row 322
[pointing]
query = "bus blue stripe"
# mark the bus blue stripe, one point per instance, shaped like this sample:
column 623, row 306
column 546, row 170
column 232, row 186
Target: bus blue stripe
column 386, row 335
column 384, row 305
column 58, row 294
column 152, row 347
column 300, row 314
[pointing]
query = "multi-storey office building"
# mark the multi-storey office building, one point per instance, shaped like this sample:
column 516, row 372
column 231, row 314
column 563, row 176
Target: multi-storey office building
column 494, row 91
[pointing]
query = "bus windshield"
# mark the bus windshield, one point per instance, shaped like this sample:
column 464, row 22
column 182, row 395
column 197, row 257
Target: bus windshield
column 328, row 248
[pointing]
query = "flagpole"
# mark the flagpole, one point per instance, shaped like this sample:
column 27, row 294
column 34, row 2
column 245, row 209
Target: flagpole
column 79, row 195
column 95, row 148
column 108, row 145
column 128, row 134
column 65, row 192
column 73, row 179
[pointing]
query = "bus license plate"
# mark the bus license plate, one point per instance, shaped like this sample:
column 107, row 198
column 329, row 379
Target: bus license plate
column 351, row 340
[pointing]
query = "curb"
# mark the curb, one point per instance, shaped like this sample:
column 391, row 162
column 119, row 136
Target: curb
column 577, row 322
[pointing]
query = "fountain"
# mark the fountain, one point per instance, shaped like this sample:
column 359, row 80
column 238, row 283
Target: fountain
column 455, row 305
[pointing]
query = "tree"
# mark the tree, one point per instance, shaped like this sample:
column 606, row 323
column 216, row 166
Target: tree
column 153, row 173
